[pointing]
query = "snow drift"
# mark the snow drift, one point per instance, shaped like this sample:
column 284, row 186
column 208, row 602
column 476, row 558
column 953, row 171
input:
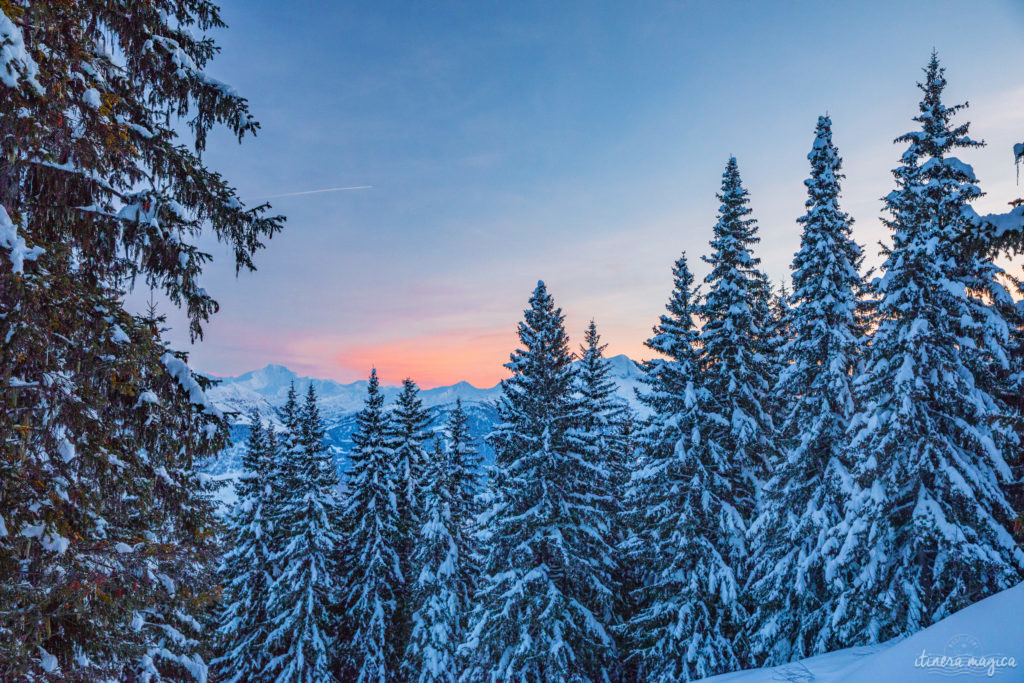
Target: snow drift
column 983, row 640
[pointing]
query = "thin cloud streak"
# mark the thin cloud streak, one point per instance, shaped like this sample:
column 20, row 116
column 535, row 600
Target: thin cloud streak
column 329, row 189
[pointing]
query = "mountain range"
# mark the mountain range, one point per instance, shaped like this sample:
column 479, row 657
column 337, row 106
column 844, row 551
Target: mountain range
column 266, row 390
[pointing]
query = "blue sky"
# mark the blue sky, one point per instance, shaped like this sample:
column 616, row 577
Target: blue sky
column 579, row 143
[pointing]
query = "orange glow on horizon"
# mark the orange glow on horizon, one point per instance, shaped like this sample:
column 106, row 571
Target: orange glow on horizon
column 433, row 360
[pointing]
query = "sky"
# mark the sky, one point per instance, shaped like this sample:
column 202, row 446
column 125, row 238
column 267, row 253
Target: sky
column 579, row 143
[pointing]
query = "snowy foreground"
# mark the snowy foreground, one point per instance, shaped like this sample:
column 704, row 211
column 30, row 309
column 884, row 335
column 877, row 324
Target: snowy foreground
column 991, row 630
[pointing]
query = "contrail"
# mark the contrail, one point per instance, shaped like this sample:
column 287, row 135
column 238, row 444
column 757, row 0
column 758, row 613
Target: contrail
column 329, row 189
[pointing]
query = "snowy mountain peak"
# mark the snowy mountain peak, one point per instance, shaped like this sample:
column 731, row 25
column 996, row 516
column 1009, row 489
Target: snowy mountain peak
column 266, row 389
column 271, row 375
column 623, row 366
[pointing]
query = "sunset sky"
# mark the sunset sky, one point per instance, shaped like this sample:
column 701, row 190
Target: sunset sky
column 578, row 143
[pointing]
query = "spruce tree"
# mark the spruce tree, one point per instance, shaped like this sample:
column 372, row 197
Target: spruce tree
column 409, row 427
column 675, row 630
column 467, row 487
column 600, row 439
column 736, row 341
column 106, row 566
column 438, row 598
column 370, row 548
column 928, row 531
column 676, row 340
column 792, row 599
column 535, row 617
column 779, row 333
column 652, row 502
column 283, row 476
column 246, row 566
column 302, row 594
column 706, row 451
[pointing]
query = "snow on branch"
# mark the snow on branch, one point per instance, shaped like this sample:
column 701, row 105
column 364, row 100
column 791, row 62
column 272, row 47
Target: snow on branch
column 15, row 62
column 10, row 239
column 179, row 370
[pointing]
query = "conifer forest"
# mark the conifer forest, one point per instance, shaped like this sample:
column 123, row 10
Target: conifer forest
column 832, row 462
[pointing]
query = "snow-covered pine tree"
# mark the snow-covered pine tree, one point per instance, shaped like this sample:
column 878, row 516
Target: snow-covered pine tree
column 533, row 618
column 736, row 342
column 652, row 500
column 791, row 599
column 780, row 332
column 409, row 424
column 370, row 547
column 246, row 567
column 302, row 595
column 705, row 453
column 676, row 340
column 467, row 486
column 280, row 480
column 599, row 431
column 438, row 598
column 106, row 529
column 675, row 631
column 928, row 531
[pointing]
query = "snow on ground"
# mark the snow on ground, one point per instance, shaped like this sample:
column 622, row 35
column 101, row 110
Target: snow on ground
column 985, row 640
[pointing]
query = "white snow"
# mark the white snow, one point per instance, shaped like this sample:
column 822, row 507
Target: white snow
column 991, row 631
column 1003, row 223
column 67, row 450
column 118, row 335
column 10, row 239
column 15, row 62
column 179, row 370
column 47, row 661
column 147, row 397
column 92, row 98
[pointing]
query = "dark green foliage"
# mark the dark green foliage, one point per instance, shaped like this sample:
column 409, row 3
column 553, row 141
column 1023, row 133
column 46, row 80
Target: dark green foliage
column 104, row 195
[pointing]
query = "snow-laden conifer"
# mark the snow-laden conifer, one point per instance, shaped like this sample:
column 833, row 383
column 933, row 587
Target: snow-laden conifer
column 544, row 563
column 246, row 567
column 928, row 531
column 107, row 543
column 373, row 578
column 467, row 490
column 652, row 502
column 302, row 595
column 600, row 438
column 791, row 599
column 409, row 425
column 705, row 451
column 736, row 341
column 675, row 532
column 437, row 598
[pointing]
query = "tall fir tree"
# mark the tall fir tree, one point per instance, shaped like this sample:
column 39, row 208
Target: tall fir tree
column 678, row 510
column 653, row 494
column 438, row 598
column 600, row 435
column 706, row 451
column 928, row 531
column 302, row 595
column 410, row 429
column 370, row 548
column 105, row 111
column 792, row 599
column 780, row 333
column 737, row 341
column 242, row 627
column 534, row 617
column 467, row 488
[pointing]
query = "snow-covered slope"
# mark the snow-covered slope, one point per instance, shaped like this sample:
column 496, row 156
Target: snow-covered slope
column 991, row 631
